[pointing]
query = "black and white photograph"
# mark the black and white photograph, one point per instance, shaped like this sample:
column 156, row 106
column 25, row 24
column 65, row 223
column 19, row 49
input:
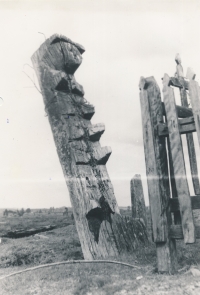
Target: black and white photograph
column 100, row 147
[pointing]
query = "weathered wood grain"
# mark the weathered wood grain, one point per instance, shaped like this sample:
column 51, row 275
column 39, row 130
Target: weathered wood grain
column 177, row 216
column 157, row 174
column 178, row 163
column 189, row 137
column 183, row 129
column 137, row 199
column 186, row 121
column 95, row 131
column 82, row 158
column 166, row 256
column 153, row 165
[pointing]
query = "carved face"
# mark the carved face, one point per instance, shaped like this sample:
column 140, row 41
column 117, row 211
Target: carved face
column 62, row 56
column 73, row 57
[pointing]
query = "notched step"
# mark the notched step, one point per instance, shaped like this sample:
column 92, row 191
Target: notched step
column 81, row 158
column 95, row 131
column 102, row 154
column 77, row 88
column 87, row 111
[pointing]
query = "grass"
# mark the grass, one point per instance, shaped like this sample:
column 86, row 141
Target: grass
column 56, row 245
column 31, row 220
column 98, row 279
column 63, row 244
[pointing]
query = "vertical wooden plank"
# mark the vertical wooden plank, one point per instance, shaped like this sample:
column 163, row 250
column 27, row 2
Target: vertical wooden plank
column 157, row 174
column 167, row 256
column 194, row 92
column 193, row 163
column 137, row 199
column 189, row 136
column 153, row 177
column 178, row 163
column 177, row 216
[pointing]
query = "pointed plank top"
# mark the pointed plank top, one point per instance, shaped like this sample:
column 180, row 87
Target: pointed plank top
column 143, row 83
column 190, row 74
column 166, row 80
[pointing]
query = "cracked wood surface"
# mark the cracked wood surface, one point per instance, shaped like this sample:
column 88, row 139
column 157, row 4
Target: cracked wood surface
column 99, row 223
column 157, row 174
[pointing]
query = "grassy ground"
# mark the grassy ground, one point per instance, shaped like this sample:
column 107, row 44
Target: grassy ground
column 63, row 244
column 28, row 221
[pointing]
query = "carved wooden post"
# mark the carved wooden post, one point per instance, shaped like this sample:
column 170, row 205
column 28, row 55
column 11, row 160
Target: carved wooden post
column 137, row 199
column 96, row 213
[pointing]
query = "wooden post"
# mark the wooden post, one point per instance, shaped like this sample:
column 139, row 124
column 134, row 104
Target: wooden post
column 82, row 158
column 177, row 215
column 189, row 136
column 157, row 174
column 178, row 162
column 194, row 92
column 137, row 199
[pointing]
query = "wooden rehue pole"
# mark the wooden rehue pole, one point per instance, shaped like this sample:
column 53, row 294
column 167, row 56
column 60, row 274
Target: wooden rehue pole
column 137, row 199
column 157, row 175
column 189, row 136
column 83, row 160
column 178, row 162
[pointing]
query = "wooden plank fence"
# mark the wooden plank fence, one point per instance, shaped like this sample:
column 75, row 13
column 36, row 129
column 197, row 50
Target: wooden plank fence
column 163, row 124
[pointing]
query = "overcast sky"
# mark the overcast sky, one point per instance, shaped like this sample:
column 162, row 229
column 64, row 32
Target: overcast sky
column 123, row 40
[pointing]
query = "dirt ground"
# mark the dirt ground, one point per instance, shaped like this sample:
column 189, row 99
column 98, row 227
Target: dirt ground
column 101, row 280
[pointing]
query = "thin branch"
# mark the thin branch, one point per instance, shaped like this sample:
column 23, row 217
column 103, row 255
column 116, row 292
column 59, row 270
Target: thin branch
column 32, row 82
column 70, row 262
column 43, row 34
column 28, row 65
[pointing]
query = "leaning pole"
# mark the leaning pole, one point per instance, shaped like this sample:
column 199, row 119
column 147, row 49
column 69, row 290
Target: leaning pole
column 101, row 229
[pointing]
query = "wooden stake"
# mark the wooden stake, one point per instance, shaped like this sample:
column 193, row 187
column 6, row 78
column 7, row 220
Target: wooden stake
column 137, row 199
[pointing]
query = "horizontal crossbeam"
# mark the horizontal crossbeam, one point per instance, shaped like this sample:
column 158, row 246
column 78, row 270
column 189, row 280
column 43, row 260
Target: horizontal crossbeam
column 182, row 112
column 186, row 125
column 176, row 232
column 176, row 83
column 174, row 203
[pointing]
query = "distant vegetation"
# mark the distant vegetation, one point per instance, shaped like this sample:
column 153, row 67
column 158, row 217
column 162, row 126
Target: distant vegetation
column 18, row 212
column 62, row 243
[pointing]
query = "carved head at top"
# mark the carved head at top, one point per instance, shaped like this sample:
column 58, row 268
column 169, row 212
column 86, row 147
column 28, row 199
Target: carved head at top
column 60, row 53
